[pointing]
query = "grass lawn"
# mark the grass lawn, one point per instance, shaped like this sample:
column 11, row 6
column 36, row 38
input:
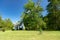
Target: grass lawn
column 29, row 35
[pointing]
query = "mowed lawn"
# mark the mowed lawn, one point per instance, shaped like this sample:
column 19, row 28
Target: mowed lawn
column 30, row 35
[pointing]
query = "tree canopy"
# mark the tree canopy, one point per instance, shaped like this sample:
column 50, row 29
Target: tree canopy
column 53, row 14
column 6, row 24
column 32, row 16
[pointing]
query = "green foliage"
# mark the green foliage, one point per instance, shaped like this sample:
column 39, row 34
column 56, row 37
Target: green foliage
column 53, row 15
column 8, row 24
column 29, row 5
column 32, row 16
column 1, row 22
column 5, row 24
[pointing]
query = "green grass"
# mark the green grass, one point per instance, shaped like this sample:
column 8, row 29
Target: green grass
column 29, row 35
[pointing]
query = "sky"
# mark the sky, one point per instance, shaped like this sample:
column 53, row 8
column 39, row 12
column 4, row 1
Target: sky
column 13, row 9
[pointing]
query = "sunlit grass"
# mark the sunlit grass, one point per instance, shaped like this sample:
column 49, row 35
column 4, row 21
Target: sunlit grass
column 30, row 35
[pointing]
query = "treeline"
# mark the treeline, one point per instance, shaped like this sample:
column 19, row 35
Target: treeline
column 53, row 17
column 6, row 24
column 33, row 19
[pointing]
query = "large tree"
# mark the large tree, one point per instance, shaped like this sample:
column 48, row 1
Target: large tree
column 32, row 16
column 53, row 14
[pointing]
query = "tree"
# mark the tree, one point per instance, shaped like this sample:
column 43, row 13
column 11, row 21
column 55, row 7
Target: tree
column 5, row 24
column 32, row 16
column 8, row 24
column 1, row 22
column 53, row 14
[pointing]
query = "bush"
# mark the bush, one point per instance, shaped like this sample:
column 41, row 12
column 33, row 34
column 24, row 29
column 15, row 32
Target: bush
column 3, row 30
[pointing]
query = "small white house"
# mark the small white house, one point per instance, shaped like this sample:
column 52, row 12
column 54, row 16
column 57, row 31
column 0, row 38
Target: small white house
column 19, row 26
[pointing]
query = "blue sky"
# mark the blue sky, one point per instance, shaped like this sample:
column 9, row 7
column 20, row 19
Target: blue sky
column 13, row 8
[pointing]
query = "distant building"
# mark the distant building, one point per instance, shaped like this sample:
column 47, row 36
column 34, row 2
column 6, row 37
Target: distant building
column 19, row 26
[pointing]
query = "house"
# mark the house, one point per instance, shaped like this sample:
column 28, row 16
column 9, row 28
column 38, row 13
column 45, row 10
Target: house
column 19, row 26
